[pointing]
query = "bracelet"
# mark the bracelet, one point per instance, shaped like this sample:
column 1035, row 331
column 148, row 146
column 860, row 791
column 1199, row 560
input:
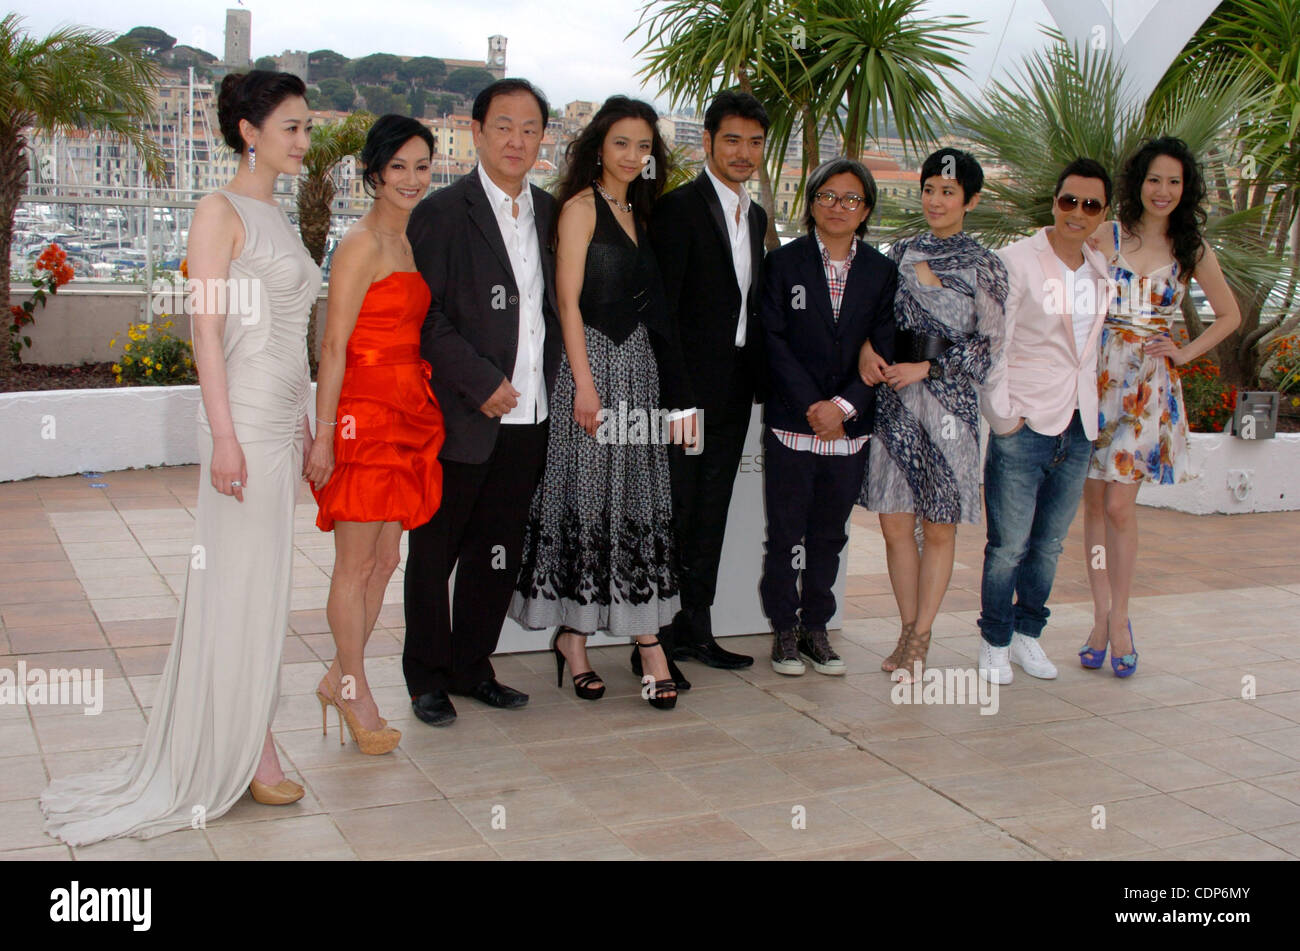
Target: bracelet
column 325, row 422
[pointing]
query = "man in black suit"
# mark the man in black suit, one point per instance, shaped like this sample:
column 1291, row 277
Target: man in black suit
column 825, row 294
column 708, row 238
column 492, row 338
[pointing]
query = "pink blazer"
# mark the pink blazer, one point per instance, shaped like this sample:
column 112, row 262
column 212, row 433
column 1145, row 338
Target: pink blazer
column 1039, row 373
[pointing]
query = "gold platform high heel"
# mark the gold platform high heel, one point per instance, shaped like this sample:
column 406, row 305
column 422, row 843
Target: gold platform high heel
column 371, row 742
column 281, row 794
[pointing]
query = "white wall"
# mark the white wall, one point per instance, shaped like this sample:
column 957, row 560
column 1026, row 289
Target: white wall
column 1271, row 470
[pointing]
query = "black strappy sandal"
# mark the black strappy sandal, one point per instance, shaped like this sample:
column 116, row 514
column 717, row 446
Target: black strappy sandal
column 656, row 698
column 582, row 683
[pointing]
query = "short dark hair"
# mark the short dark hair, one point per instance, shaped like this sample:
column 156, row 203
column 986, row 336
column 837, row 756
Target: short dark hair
column 253, row 95
column 733, row 102
column 828, row 170
column 1085, row 168
column 958, row 165
column 504, row 87
column 388, row 134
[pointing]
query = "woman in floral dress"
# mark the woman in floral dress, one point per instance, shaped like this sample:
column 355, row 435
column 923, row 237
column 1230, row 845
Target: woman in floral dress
column 1155, row 249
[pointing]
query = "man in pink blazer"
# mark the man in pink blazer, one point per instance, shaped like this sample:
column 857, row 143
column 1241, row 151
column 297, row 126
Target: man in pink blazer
column 1040, row 399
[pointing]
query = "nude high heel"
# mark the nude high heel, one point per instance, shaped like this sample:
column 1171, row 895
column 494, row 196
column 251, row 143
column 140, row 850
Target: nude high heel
column 281, row 794
column 371, row 742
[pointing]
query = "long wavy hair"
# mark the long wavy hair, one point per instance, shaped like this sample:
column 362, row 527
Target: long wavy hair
column 580, row 158
column 1186, row 225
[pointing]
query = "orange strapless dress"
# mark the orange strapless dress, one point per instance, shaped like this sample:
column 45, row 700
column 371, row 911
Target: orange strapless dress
column 390, row 429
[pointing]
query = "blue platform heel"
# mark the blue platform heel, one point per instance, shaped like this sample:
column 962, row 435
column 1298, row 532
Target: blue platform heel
column 1092, row 657
column 1125, row 666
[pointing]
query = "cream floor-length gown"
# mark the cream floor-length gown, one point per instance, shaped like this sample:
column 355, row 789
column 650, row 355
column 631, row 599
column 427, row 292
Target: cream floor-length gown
column 221, row 684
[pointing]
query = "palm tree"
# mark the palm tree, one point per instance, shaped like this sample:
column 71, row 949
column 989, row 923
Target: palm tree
column 1066, row 102
column 74, row 78
column 1262, row 38
column 881, row 58
column 331, row 143
column 699, row 46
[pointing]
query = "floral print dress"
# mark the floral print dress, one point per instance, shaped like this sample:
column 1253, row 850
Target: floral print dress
column 1142, row 426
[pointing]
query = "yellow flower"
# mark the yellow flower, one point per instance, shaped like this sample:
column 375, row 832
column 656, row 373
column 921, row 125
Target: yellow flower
column 148, row 372
column 112, row 343
column 117, row 368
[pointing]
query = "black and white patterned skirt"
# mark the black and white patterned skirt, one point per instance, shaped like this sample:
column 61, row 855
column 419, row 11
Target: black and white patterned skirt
column 599, row 552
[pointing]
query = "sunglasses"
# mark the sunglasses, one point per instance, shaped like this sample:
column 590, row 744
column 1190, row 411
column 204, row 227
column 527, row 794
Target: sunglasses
column 1091, row 206
column 848, row 202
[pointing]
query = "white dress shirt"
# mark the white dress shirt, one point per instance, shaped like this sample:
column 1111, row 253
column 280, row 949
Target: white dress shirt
column 738, row 232
column 519, row 233
column 1082, row 318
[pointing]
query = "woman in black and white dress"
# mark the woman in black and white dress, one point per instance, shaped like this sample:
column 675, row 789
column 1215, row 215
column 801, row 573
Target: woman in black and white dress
column 599, row 553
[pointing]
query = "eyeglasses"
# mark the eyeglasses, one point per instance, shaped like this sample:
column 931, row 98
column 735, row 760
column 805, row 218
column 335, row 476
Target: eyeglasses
column 848, row 202
column 1091, row 206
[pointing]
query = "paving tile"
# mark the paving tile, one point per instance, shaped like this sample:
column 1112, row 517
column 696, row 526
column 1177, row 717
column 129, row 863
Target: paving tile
column 1166, row 770
column 641, row 797
column 297, row 838
column 1243, row 805
column 514, row 815
column 692, row 838
column 406, row 830
column 1165, row 822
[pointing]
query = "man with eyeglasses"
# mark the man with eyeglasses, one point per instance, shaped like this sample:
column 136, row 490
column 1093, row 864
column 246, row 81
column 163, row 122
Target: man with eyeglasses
column 825, row 294
column 1040, row 399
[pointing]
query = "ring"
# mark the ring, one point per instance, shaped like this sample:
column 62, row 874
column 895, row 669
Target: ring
column 236, row 484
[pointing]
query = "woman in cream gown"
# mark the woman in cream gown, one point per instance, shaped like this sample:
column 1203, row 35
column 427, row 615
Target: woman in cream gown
column 209, row 730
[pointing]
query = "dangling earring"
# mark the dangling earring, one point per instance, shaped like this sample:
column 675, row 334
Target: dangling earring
column 598, row 161
column 252, row 158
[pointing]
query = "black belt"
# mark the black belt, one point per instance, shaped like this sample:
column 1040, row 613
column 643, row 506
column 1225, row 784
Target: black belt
column 912, row 347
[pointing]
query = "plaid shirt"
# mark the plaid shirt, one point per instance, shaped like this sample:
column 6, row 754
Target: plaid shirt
column 836, row 278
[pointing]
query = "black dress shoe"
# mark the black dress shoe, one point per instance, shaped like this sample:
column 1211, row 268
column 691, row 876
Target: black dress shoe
column 496, row 694
column 434, row 708
column 708, row 652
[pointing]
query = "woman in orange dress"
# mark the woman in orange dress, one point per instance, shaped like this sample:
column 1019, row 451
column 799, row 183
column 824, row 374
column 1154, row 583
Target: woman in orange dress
column 379, row 473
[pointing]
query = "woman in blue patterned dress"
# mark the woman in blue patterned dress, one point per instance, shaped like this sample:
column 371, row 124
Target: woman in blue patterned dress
column 924, row 460
column 1155, row 249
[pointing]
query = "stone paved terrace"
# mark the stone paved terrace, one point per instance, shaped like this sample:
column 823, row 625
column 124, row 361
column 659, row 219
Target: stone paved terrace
column 1184, row 766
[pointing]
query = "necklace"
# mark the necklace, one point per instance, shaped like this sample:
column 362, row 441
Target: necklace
column 621, row 206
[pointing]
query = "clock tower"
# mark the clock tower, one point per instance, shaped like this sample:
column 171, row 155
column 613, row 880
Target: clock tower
column 496, row 58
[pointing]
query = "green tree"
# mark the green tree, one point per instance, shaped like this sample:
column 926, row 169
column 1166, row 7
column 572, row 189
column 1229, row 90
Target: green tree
column 380, row 100
column 331, row 143
column 375, row 68
column 1064, row 103
column 423, row 72
column 882, row 58
column 468, row 81
column 338, row 94
column 697, row 48
column 326, row 64
column 265, row 62
column 73, row 78
column 150, row 39
column 417, row 101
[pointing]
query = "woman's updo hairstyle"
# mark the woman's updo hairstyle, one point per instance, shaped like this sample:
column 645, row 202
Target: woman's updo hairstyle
column 253, row 96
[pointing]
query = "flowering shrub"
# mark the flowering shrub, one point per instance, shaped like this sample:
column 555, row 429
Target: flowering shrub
column 1208, row 400
column 154, row 357
column 52, row 272
column 1282, row 365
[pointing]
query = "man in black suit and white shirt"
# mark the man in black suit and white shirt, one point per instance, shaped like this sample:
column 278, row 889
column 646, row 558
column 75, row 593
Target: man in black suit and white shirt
column 492, row 338
column 708, row 238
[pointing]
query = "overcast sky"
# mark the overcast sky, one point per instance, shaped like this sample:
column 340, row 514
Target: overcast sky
column 573, row 49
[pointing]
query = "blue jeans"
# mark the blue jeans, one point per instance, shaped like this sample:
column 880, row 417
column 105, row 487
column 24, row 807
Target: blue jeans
column 1032, row 487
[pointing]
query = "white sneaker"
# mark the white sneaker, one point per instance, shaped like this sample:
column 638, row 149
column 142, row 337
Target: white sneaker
column 995, row 665
column 1027, row 652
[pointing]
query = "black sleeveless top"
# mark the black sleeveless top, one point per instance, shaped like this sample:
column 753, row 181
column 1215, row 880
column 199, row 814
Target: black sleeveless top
column 621, row 286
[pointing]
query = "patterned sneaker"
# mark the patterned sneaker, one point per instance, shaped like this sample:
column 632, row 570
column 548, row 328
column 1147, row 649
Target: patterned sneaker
column 785, row 653
column 815, row 647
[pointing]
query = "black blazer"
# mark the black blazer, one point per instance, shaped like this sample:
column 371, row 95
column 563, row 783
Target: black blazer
column 690, row 239
column 469, row 343
column 811, row 356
